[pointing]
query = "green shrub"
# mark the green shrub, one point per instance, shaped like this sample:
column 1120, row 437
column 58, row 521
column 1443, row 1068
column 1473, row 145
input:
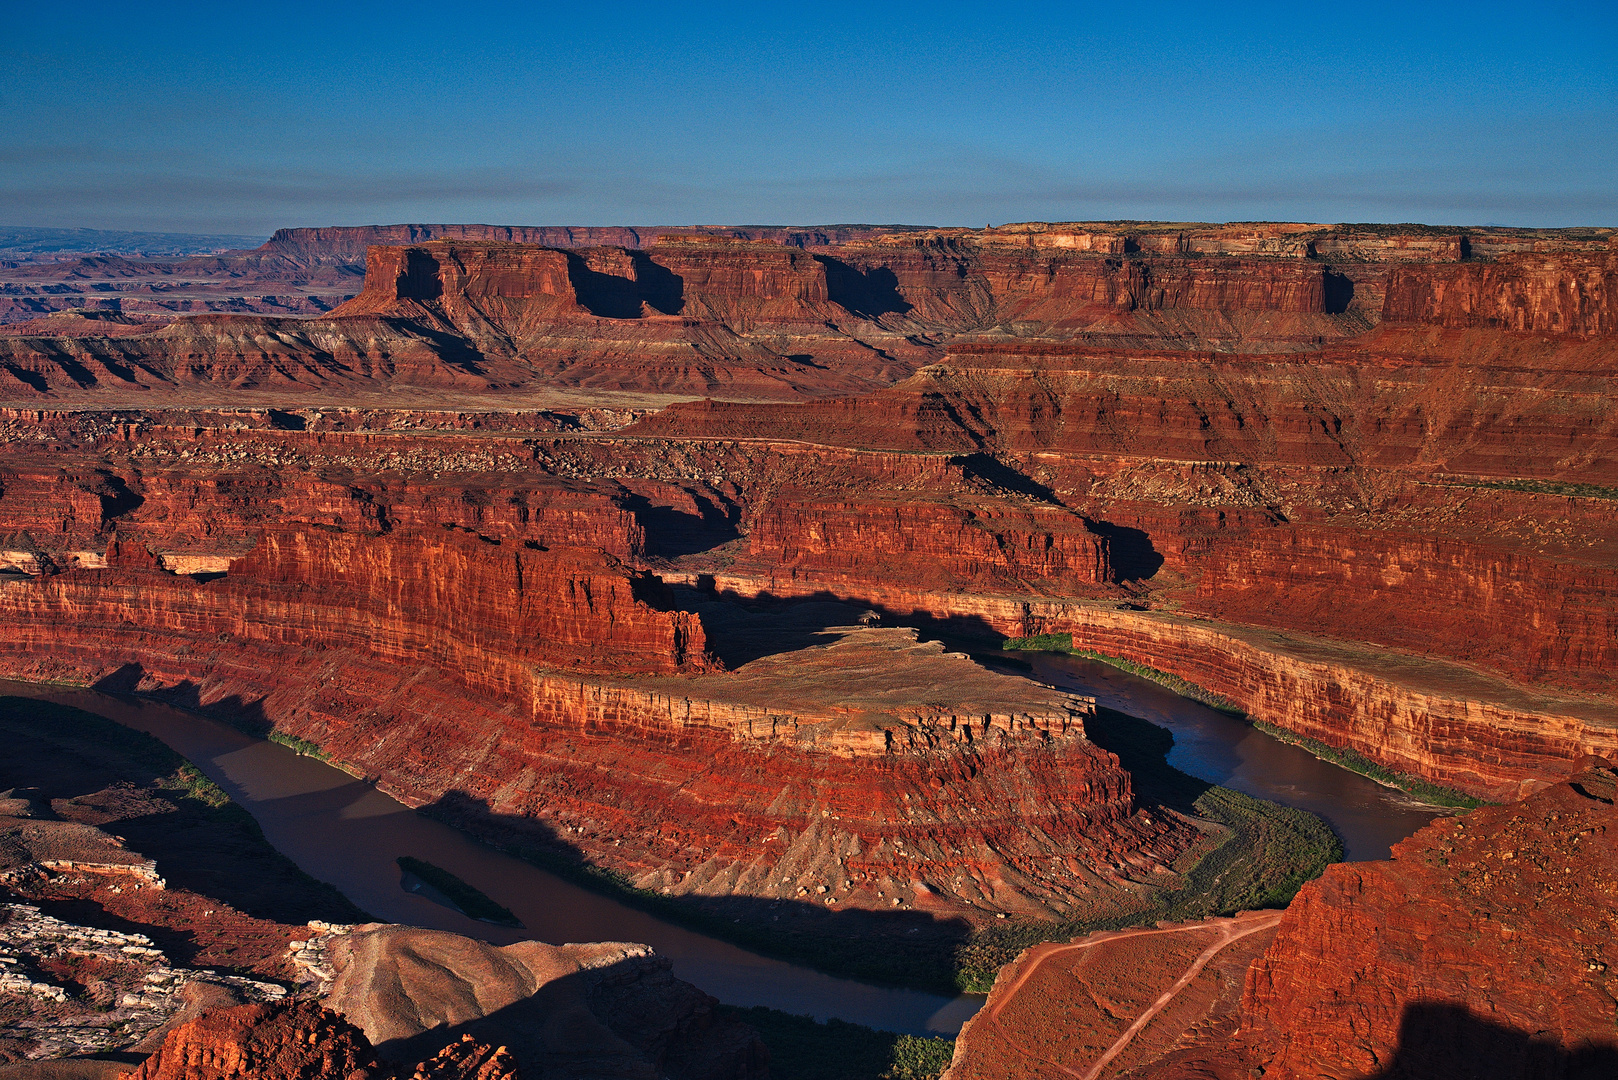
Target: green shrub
column 803, row 1048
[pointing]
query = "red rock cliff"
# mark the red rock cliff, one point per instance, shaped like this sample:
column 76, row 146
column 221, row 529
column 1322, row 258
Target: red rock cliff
column 1555, row 294
column 1484, row 948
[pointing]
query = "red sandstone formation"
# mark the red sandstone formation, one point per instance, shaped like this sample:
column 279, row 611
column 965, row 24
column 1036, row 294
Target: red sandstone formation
column 1553, row 294
column 1338, row 495
column 1103, row 1004
column 303, row 1041
column 472, row 1012
column 349, row 244
column 1291, row 505
column 401, row 656
column 1396, row 541
column 765, row 313
column 295, row 1041
column 1486, row 948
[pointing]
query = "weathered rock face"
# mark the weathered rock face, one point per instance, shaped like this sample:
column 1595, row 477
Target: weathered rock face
column 873, row 764
column 1554, row 294
column 1369, row 406
column 295, row 1041
column 1106, row 1004
column 349, row 244
column 206, row 490
column 447, row 598
column 1386, row 554
column 242, row 352
column 444, row 598
column 305, row 1041
column 1170, row 418
column 466, row 1010
column 770, row 313
column 901, row 542
column 510, row 286
column 1423, row 490
column 1486, row 947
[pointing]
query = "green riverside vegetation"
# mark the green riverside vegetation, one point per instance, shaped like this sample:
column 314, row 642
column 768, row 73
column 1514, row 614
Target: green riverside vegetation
column 1063, row 643
column 1258, row 854
column 802, row 1048
column 302, row 746
column 472, row 902
column 205, row 814
column 1353, row 761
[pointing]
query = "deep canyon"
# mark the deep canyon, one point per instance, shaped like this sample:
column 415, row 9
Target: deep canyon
column 677, row 556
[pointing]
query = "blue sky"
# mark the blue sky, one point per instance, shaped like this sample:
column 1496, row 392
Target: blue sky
column 216, row 118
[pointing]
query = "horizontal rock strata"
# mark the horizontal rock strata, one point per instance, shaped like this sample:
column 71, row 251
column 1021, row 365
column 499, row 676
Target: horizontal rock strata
column 880, row 769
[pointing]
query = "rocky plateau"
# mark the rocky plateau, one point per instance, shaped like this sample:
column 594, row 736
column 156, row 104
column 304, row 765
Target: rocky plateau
column 667, row 552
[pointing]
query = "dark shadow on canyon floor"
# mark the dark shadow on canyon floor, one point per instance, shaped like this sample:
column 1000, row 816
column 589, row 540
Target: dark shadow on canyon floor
column 1441, row 1041
column 612, row 1020
column 76, row 766
column 964, row 627
column 992, row 470
column 899, row 948
column 1339, row 292
column 672, row 532
column 659, row 288
column 1143, row 748
column 605, row 296
column 740, row 632
column 1131, row 554
column 887, row 946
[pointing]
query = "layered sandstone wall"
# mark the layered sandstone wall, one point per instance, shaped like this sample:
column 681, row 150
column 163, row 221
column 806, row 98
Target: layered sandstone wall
column 1371, row 490
column 911, row 531
column 1484, row 948
column 1533, row 618
column 483, row 611
column 467, row 284
column 417, row 660
column 350, row 243
column 1453, row 725
column 912, row 542
column 1555, row 294
column 210, row 489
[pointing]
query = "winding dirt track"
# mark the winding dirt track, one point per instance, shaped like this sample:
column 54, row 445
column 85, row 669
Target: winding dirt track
column 1229, row 930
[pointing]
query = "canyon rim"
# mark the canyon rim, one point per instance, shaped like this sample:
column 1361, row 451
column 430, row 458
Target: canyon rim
column 702, row 566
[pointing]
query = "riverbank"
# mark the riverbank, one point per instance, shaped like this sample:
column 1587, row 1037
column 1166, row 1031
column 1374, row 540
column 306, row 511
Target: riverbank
column 343, row 831
column 1255, row 853
column 1433, row 794
column 1258, row 853
column 910, row 950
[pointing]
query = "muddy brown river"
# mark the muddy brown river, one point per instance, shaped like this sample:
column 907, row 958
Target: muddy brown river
column 340, row 830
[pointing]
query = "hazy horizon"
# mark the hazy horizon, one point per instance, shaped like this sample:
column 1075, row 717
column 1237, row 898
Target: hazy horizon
column 186, row 118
